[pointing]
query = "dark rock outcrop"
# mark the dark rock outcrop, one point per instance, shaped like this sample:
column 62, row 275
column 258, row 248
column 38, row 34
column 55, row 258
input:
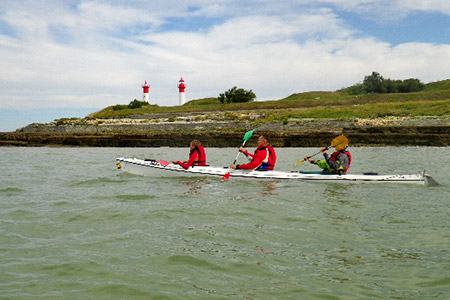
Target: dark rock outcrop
column 308, row 133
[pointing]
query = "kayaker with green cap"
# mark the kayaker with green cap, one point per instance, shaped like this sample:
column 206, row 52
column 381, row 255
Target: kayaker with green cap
column 339, row 162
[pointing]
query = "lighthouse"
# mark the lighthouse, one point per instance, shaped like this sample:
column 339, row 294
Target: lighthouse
column 145, row 88
column 181, row 88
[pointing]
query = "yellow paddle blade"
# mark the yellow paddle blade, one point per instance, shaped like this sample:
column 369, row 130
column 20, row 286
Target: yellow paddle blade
column 340, row 142
column 299, row 162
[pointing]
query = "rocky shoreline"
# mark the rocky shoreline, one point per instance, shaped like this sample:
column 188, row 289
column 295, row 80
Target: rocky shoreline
column 227, row 131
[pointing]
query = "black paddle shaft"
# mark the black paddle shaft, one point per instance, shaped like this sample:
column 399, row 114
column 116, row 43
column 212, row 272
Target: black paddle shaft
column 326, row 148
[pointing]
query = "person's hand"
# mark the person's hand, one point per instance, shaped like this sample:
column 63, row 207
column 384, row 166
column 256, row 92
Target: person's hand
column 241, row 149
column 323, row 150
column 233, row 166
column 308, row 159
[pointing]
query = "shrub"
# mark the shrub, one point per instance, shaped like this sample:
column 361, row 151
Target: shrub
column 136, row 104
column 231, row 115
column 236, row 95
column 356, row 89
column 119, row 107
column 410, row 85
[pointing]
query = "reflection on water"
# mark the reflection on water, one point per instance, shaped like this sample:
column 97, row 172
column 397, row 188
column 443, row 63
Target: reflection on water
column 338, row 192
column 195, row 185
column 269, row 188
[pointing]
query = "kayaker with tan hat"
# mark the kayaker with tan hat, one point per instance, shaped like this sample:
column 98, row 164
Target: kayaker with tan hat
column 339, row 162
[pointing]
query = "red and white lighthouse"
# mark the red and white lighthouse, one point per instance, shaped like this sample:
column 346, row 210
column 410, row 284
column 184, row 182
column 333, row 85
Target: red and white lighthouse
column 145, row 88
column 181, row 88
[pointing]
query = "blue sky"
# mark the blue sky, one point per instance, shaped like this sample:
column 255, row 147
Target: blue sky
column 70, row 58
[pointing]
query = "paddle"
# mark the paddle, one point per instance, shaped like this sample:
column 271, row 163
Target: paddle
column 340, row 140
column 161, row 162
column 247, row 136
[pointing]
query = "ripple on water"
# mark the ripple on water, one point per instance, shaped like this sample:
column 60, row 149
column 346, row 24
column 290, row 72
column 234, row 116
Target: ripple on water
column 81, row 230
column 190, row 261
column 131, row 197
column 96, row 181
column 11, row 191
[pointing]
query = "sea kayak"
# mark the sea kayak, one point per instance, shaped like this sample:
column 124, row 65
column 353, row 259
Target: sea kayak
column 160, row 168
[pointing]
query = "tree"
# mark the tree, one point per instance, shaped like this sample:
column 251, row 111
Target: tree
column 410, row 85
column 236, row 95
column 374, row 83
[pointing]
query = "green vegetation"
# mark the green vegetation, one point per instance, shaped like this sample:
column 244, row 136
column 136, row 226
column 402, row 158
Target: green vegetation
column 205, row 101
column 137, row 104
column 433, row 100
column 376, row 110
column 438, row 85
column 235, row 95
column 132, row 105
column 375, row 83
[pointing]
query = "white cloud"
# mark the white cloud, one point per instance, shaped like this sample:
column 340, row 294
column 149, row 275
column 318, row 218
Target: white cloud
column 100, row 16
column 386, row 10
column 93, row 54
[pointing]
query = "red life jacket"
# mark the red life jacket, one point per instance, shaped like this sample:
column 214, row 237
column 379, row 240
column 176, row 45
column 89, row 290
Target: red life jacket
column 334, row 156
column 201, row 160
column 270, row 160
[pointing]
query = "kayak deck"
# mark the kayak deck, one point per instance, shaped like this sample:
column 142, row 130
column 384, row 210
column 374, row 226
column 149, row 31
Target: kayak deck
column 165, row 169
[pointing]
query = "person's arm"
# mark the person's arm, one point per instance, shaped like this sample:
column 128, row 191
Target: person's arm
column 192, row 158
column 256, row 162
column 308, row 158
column 245, row 152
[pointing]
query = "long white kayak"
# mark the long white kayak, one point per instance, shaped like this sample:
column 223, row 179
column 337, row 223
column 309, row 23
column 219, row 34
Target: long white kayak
column 159, row 168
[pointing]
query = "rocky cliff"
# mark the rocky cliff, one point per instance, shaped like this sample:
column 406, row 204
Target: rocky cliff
column 178, row 130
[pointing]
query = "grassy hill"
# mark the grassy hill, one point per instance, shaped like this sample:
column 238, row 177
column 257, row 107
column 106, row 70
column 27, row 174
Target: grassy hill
column 434, row 100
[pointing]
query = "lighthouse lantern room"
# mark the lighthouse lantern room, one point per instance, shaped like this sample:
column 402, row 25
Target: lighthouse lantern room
column 145, row 88
column 181, row 88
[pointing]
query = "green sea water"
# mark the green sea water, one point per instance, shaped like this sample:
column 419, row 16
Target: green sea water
column 72, row 226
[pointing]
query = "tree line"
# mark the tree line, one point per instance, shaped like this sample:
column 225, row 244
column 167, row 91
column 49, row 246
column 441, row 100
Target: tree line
column 376, row 84
column 372, row 84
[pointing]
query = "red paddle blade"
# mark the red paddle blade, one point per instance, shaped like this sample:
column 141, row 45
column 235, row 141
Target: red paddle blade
column 164, row 163
column 226, row 176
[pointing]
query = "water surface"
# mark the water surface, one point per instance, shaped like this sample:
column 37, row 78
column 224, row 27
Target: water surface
column 73, row 227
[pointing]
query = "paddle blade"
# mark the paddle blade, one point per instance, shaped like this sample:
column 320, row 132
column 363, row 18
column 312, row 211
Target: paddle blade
column 162, row 162
column 299, row 162
column 340, row 142
column 248, row 135
column 226, row 176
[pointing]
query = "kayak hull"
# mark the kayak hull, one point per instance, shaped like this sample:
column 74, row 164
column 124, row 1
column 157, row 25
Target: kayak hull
column 157, row 168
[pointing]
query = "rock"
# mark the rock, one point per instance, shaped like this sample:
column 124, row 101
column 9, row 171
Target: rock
column 222, row 133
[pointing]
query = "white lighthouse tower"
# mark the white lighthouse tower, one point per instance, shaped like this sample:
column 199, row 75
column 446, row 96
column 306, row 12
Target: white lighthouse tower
column 181, row 88
column 145, row 88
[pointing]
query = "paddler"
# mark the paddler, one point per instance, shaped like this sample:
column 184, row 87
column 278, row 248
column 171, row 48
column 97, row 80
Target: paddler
column 263, row 159
column 339, row 162
column 197, row 156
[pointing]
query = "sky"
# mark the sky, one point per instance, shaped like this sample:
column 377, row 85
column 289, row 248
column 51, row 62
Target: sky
column 69, row 58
